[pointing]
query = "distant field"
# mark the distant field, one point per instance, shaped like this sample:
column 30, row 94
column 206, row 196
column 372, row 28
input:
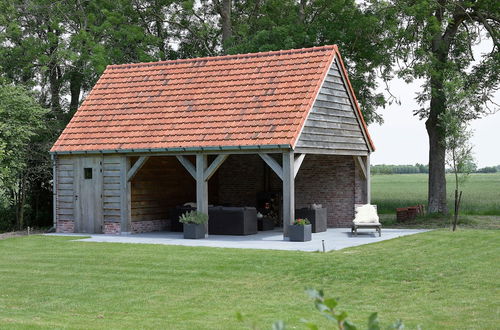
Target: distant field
column 481, row 192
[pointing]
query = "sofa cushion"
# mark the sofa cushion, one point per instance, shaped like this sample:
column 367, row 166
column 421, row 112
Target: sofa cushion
column 366, row 214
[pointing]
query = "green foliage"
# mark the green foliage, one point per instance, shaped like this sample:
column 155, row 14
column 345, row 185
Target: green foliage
column 399, row 169
column 194, row 217
column 434, row 41
column 488, row 169
column 21, row 121
column 276, row 24
column 301, row 222
column 328, row 308
column 59, row 49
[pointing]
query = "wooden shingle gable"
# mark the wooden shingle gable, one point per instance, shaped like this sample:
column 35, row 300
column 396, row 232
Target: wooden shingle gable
column 334, row 124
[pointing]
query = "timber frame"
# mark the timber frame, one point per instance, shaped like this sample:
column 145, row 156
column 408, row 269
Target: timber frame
column 201, row 171
column 326, row 121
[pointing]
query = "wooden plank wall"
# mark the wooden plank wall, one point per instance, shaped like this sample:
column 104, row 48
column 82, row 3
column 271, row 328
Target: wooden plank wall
column 332, row 125
column 111, row 188
column 65, row 198
column 160, row 184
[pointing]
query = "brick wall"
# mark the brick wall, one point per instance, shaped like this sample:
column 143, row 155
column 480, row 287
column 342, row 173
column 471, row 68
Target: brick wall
column 242, row 177
column 112, row 228
column 333, row 181
column 330, row 181
column 147, row 226
column 65, row 226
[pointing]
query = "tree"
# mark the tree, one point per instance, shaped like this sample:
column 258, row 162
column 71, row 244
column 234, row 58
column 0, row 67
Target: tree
column 459, row 157
column 434, row 41
column 284, row 24
column 21, row 119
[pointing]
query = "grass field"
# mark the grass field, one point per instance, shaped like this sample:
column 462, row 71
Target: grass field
column 481, row 192
column 439, row 280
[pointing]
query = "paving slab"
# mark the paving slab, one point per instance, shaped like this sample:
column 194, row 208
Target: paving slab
column 333, row 239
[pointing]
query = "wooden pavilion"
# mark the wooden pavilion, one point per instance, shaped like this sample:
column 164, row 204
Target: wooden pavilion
column 214, row 130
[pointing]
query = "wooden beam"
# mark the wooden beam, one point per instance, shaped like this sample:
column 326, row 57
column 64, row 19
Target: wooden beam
column 214, row 166
column 187, row 165
column 362, row 165
column 368, row 181
column 288, row 191
column 273, row 164
column 201, row 184
column 125, row 196
column 298, row 162
column 137, row 166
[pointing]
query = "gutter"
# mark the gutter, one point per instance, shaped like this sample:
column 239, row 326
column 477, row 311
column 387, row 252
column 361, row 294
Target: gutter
column 175, row 150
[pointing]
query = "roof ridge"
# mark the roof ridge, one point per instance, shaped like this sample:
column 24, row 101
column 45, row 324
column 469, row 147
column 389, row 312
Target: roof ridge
column 222, row 57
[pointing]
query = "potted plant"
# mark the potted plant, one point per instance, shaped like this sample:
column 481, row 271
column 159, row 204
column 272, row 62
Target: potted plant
column 300, row 230
column 194, row 224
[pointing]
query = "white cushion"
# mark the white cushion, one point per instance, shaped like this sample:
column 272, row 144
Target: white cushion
column 366, row 214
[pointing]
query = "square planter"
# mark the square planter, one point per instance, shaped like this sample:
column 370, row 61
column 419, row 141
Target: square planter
column 265, row 224
column 299, row 233
column 317, row 217
column 194, row 231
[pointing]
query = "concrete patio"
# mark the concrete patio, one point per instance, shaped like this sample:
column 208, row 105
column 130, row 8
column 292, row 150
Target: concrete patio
column 333, row 239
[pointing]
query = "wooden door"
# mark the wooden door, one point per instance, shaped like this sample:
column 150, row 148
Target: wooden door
column 89, row 195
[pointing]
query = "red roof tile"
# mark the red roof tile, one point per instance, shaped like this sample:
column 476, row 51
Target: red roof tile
column 236, row 100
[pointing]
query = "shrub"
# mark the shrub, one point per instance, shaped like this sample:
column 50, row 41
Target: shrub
column 301, row 222
column 328, row 308
column 194, row 217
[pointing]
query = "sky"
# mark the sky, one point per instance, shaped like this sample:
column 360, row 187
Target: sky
column 402, row 139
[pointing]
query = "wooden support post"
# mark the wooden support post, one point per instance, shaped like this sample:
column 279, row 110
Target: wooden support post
column 288, row 190
column 201, row 184
column 368, row 181
column 137, row 166
column 125, row 199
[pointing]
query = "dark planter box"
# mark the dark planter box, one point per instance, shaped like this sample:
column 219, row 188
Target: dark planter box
column 317, row 218
column 193, row 230
column 299, row 233
column 265, row 224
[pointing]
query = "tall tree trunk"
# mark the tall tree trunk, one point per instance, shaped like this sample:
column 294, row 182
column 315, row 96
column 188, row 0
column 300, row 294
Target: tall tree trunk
column 224, row 8
column 75, row 86
column 55, row 89
column 437, row 147
column 437, row 178
column 302, row 11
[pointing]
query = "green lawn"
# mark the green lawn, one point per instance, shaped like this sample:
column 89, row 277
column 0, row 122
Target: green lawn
column 437, row 279
column 481, row 192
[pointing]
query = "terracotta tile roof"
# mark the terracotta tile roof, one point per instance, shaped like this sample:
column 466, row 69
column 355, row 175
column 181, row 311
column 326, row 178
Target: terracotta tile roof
column 237, row 100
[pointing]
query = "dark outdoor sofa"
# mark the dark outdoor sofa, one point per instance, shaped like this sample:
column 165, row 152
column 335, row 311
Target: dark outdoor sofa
column 224, row 220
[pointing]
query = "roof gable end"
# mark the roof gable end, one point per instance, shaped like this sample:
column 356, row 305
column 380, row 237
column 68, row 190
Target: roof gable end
column 334, row 124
